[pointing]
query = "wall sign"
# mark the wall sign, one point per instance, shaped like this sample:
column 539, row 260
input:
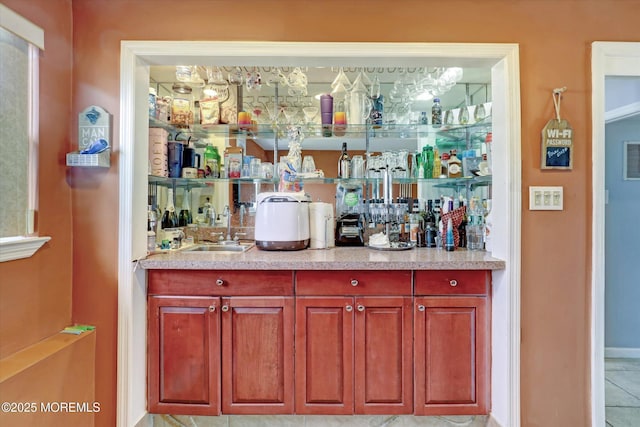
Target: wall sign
column 94, row 139
column 94, row 123
column 557, row 140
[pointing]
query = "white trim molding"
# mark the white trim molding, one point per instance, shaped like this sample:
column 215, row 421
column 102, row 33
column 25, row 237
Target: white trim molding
column 21, row 27
column 12, row 248
column 607, row 59
column 621, row 113
column 135, row 60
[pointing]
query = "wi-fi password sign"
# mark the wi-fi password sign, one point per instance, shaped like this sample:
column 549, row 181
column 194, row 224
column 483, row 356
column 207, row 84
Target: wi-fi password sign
column 557, row 145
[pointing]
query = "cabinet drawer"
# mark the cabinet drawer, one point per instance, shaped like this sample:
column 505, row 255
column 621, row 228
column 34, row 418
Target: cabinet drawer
column 452, row 282
column 220, row 282
column 353, row 282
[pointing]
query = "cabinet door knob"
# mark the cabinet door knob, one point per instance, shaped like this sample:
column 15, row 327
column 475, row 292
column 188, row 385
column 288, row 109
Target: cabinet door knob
column 354, row 282
column 212, row 308
column 453, row 282
column 219, row 282
column 420, row 307
column 225, row 308
column 348, row 308
column 360, row 307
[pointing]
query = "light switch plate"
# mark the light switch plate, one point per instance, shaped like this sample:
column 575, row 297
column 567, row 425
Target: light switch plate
column 546, row 198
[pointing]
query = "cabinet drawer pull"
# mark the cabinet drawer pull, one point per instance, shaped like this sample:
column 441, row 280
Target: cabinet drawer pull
column 212, row 308
column 225, row 308
column 420, row 307
column 219, row 282
column 354, row 282
column 360, row 307
column 348, row 308
column 453, row 282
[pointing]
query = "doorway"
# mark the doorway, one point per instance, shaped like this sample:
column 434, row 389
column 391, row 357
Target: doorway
column 622, row 186
column 608, row 59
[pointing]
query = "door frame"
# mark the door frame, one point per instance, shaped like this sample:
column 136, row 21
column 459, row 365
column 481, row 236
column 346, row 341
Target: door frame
column 135, row 59
column 607, row 59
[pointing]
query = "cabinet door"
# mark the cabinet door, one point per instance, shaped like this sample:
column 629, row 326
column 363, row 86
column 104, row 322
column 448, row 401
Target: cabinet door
column 451, row 361
column 324, row 355
column 383, row 348
column 257, row 355
column 183, row 355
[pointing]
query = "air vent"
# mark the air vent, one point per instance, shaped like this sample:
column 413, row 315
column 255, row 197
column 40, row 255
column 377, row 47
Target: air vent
column 632, row 160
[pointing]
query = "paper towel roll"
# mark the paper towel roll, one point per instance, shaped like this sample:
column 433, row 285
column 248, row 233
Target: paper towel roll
column 318, row 225
column 331, row 226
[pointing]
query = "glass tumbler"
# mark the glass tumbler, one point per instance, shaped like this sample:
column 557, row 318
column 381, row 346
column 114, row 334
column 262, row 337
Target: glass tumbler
column 357, row 167
column 308, row 164
column 255, row 168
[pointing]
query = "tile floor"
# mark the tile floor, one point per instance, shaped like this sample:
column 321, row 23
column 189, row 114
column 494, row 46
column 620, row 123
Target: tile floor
column 622, row 392
column 317, row 421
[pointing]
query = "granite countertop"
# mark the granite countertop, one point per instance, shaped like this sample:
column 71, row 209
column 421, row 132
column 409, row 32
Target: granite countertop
column 339, row 258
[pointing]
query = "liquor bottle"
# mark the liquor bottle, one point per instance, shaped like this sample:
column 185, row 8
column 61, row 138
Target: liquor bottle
column 462, row 229
column 169, row 217
column 436, row 113
column 344, row 163
column 185, row 218
column 211, row 162
column 444, row 164
column 454, row 165
column 437, row 164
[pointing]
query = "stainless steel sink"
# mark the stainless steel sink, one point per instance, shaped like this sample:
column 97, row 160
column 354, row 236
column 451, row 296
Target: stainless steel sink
column 216, row 247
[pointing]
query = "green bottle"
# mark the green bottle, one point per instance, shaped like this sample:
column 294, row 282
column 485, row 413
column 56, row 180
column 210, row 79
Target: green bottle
column 211, row 162
column 427, row 155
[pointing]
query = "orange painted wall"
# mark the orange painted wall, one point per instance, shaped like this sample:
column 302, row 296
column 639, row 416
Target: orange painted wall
column 35, row 293
column 554, row 38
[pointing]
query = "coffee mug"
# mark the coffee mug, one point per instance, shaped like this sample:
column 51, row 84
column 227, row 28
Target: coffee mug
column 190, row 159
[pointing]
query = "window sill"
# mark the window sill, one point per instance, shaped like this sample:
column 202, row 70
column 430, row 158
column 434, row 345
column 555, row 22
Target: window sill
column 12, row 248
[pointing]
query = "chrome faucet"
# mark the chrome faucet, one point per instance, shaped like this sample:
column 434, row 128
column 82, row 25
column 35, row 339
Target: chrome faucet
column 210, row 215
column 243, row 211
column 227, row 213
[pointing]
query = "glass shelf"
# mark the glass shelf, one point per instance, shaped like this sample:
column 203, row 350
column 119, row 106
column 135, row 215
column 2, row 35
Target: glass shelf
column 387, row 137
column 436, row 182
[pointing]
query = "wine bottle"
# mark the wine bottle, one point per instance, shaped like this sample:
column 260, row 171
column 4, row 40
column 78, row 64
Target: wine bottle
column 184, row 218
column 344, row 163
column 169, row 217
column 429, row 216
